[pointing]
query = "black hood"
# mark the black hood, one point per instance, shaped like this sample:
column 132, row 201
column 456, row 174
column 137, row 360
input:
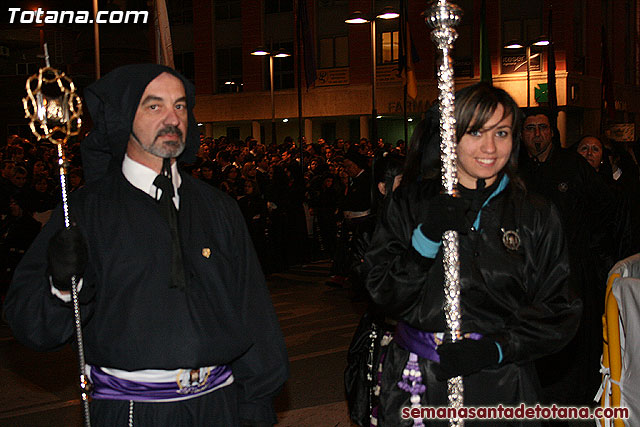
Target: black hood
column 112, row 102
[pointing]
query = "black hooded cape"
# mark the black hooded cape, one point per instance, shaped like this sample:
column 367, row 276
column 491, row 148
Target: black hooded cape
column 132, row 318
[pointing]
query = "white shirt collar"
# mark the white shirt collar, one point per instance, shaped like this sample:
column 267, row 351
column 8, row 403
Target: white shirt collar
column 142, row 177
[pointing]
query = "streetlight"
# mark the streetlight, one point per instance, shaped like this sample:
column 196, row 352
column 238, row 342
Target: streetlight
column 280, row 53
column 540, row 41
column 358, row 17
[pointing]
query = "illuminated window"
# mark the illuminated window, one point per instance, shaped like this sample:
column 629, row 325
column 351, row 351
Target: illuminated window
column 390, row 46
column 521, row 21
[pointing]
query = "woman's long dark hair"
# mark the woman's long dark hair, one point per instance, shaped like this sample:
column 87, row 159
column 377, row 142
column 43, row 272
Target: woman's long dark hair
column 474, row 106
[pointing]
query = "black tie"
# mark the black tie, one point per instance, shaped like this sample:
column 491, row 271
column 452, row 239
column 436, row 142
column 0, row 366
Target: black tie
column 169, row 212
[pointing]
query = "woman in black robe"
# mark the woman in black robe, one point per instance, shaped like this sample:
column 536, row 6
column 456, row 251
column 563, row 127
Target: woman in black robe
column 514, row 267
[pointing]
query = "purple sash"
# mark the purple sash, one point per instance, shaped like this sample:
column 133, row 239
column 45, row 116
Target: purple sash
column 107, row 386
column 422, row 343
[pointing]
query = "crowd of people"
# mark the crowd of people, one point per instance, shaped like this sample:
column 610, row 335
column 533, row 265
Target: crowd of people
column 293, row 201
column 293, row 208
column 29, row 191
column 539, row 225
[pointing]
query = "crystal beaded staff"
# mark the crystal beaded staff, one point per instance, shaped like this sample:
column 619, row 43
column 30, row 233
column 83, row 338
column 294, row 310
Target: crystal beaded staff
column 442, row 16
column 54, row 111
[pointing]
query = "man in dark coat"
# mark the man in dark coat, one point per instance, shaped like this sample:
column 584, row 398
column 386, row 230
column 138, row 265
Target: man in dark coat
column 587, row 209
column 358, row 220
column 178, row 328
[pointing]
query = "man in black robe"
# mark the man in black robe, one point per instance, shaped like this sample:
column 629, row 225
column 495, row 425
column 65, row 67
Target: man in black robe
column 178, row 325
column 587, row 210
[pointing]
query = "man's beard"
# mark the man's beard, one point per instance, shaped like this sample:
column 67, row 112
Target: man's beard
column 539, row 146
column 167, row 149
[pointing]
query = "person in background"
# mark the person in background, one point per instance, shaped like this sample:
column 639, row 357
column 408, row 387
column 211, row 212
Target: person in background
column 6, row 186
column 207, row 170
column 356, row 208
column 17, row 231
column 19, row 179
column 588, row 210
column 365, row 358
column 254, row 210
column 231, row 182
column 618, row 170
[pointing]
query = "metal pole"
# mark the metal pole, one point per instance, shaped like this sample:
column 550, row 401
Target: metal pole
column 374, row 77
column 404, row 115
column 85, row 386
column 38, row 112
column 273, row 102
column 528, row 53
column 96, row 39
column 299, row 75
column 443, row 17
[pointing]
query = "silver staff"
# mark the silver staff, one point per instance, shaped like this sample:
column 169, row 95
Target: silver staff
column 54, row 111
column 442, row 16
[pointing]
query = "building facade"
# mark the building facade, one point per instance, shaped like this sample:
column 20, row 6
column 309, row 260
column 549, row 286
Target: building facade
column 233, row 86
column 213, row 41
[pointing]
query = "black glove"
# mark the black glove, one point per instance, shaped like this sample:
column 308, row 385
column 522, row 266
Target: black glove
column 442, row 213
column 465, row 357
column 68, row 256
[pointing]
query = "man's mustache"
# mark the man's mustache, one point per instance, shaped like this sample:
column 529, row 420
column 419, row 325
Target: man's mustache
column 169, row 129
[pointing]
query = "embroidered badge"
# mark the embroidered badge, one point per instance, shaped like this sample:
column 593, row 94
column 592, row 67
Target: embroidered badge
column 192, row 381
column 563, row 187
column 510, row 239
column 438, row 338
column 206, row 252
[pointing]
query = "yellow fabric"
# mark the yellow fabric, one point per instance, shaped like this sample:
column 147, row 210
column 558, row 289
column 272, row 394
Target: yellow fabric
column 408, row 73
column 611, row 353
